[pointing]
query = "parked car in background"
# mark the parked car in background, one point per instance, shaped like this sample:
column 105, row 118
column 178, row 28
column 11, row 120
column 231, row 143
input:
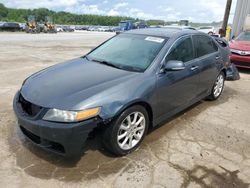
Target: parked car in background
column 59, row 29
column 156, row 26
column 22, row 26
column 1, row 24
column 178, row 27
column 207, row 29
column 93, row 28
column 10, row 26
column 240, row 48
column 67, row 29
column 81, row 28
column 103, row 29
column 131, row 82
column 114, row 29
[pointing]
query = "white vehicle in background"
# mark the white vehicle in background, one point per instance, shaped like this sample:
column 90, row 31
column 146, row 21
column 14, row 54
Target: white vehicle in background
column 59, row 29
column 207, row 29
column 22, row 26
column 103, row 29
column 1, row 24
column 175, row 26
column 93, row 28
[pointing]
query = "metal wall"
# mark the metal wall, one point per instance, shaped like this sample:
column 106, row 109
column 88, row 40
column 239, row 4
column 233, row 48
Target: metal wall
column 241, row 11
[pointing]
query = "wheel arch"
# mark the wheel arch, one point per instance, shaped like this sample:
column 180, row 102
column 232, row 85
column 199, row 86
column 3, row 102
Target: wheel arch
column 224, row 72
column 142, row 103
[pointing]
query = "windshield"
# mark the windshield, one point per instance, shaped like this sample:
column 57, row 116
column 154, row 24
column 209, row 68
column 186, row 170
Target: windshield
column 129, row 52
column 245, row 36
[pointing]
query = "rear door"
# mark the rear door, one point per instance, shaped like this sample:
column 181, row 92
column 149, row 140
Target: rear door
column 208, row 55
column 175, row 89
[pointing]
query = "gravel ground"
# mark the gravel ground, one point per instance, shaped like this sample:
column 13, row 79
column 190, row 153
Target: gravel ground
column 207, row 145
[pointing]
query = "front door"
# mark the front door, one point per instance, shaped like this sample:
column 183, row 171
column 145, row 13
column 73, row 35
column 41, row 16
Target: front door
column 176, row 89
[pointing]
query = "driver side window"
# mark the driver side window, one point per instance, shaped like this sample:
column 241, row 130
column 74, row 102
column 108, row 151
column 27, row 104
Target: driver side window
column 182, row 50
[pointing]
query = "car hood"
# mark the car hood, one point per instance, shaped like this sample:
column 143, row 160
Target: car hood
column 240, row 45
column 65, row 85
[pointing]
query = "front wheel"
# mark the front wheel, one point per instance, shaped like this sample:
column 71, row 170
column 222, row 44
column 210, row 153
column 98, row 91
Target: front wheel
column 218, row 87
column 126, row 133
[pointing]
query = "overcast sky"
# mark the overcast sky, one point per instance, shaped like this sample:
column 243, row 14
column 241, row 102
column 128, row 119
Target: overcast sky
column 169, row 10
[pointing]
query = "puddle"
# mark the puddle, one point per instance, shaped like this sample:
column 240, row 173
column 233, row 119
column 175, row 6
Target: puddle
column 210, row 178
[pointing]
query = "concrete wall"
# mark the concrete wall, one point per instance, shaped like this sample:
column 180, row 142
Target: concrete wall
column 241, row 12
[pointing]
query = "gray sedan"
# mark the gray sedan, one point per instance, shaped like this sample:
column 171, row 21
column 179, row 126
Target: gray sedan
column 126, row 85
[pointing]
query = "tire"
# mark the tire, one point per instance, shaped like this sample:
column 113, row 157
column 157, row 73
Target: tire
column 113, row 136
column 218, row 87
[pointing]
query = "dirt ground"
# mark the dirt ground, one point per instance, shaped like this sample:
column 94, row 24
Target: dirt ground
column 208, row 145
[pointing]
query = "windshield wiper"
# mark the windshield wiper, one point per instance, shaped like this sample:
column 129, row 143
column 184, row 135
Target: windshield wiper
column 106, row 63
column 123, row 67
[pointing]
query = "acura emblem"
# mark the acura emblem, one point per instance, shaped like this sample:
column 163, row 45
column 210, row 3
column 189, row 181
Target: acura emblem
column 243, row 53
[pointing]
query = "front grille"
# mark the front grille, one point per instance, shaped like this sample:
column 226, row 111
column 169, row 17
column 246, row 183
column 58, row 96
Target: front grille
column 240, row 54
column 28, row 107
column 241, row 63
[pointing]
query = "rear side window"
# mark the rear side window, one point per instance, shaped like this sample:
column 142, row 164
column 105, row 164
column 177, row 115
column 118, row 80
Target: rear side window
column 182, row 50
column 204, row 45
column 214, row 46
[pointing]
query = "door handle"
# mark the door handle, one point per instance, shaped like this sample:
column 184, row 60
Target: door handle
column 194, row 68
column 217, row 57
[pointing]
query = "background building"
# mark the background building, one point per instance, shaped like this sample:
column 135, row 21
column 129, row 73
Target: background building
column 241, row 12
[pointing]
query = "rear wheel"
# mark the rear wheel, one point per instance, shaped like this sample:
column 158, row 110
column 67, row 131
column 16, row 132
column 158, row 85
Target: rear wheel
column 218, row 87
column 126, row 133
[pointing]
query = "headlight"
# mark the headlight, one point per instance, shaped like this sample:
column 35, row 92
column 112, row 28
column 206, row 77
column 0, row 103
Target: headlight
column 70, row 116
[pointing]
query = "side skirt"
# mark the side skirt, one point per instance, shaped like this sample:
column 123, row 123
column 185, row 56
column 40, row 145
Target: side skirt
column 177, row 110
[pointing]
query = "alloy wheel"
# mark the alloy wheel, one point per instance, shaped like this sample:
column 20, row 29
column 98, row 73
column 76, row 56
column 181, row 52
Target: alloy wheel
column 131, row 130
column 218, row 85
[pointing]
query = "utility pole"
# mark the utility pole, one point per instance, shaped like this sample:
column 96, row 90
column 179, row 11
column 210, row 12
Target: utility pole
column 225, row 20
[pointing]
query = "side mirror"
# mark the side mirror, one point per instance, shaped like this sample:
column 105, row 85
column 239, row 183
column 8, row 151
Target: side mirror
column 173, row 65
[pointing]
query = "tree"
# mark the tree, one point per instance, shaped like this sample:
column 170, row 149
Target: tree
column 156, row 22
column 3, row 11
column 21, row 15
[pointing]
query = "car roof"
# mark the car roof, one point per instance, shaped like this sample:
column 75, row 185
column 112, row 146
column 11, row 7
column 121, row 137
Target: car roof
column 162, row 32
column 179, row 27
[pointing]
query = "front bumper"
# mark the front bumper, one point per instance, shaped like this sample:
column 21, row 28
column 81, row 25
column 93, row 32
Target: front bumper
column 66, row 139
column 240, row 61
